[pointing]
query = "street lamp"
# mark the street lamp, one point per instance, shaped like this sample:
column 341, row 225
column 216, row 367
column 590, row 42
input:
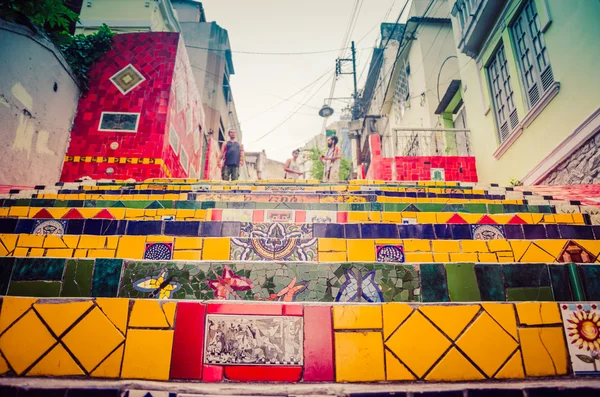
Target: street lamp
column 326, row 111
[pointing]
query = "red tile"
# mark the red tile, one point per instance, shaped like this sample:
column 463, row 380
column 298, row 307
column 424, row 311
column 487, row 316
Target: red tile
column 43, row 214
column 516, row 220
column 457, row 219
column 243, row 373
column 73, row 214
column 104, row 214
column 258, row 216
column 212, row 373
column 217, row 214
column 486, row 220
column 342, row 217
column 188, row 341
column 266, row 309
column 318, row 344
column 300, row 216
column 293, row 310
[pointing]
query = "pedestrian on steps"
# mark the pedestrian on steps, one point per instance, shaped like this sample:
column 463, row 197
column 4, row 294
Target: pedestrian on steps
column 331, row 160
column 291, row 167
column 231, row 159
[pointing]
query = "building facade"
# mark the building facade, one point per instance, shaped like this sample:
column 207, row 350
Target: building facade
column 530, row 84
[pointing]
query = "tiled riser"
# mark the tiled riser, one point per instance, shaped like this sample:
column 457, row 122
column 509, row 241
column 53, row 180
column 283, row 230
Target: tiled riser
column 167, row 340
column 300, row 282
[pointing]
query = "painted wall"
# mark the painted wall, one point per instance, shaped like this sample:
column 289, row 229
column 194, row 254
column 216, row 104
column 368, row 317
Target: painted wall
column 38, row 100
column 571, row 40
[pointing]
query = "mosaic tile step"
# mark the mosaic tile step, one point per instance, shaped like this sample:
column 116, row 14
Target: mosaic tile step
column 299, row 282
column 119, row 338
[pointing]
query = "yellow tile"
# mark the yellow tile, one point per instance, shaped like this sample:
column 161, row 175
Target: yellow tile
column 57, row 362
column 418, row 357
column 454, row 367
column 487, row 344
column 359, row 357
column 578, row 219
column 216, row 249
column 504, row 314
column 112, row 242
column 25, row 341
column 116, row 310
column 471, row 218
column 536, row 254
column 393, row 315
column 391, row 217
column 20, row 252
column 502, row 219
column 415, row 245
column 54, row 241
column 140, row 362
column 160, row 239
column 92, row 242
column 70, row 240
column 563, row 218
column 544, row 351
column 463, row 257
column 151, row 212
column 499, row 245
column 357, row 317
column 185, row 214
column 426, row 217
column 101, row 253
column 538, row 313
column 88, row 212
column 30, row 240
column 9, row 241
column 331, row 244
column 443, row 217
column 111, row 367
column 418, row 257
column 332, row 257
column 80, row 253
column 187, row 255
column 441, row 258
column 118, row 213
column 591, row 245
column 60, row 316
column 4, row 212
column 361, row 250
column 169, row 309
column 4, row 368
column 393, row 241
column 549, row 218
column 526, row 217
column 474, row 246
column 445, row 246
column 452, row 320
column 133, row 213
column 19, row 212
column 131, row 247
column 395, row 370
column 537, row 218
column 200, row 214
column 37, row 252
column 519, row 247
column 374, row 216
column 357, row 216
column 92, row 339
column 13, row 308
column 513, row 369
column 487, row 257
column 147, row 313
column 505, row 259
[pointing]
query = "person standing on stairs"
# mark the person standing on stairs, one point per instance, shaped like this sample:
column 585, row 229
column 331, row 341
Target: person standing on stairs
column 331, row 161
column 291, row 167
column 231, row 159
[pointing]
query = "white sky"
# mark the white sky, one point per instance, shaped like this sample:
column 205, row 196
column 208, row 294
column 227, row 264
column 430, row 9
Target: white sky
column 263, row 81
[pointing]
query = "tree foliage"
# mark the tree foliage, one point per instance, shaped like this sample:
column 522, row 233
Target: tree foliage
column 318, row 168
column 48, row 15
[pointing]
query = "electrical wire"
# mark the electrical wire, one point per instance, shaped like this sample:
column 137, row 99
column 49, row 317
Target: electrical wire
column 266, row 53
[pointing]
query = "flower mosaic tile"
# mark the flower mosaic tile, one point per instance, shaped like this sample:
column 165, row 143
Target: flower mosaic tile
column 582, row 329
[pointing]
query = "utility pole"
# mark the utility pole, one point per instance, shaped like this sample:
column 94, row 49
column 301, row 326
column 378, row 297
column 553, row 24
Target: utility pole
column 338, row 71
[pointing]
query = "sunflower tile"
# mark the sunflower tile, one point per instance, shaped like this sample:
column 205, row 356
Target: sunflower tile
column 418, row 357
column 359, row 357
column 25, row 341
column 454, row 367
column 111, row 366
column 357, row 317
column 394, row 314
column 395, row 370
column 519, row 247
column 57, row 362
column 535, row 254
column 513, row 369
column 544, row 351
column 487, row 344
column 147, row 354
column 147, row 313
column 92, row 339
column 60, row 316
column 13, row 308
column 538, row 313
column 503, row 314
column 452, row 320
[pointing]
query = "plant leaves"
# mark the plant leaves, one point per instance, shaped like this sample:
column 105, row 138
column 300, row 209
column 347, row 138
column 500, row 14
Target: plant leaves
column 585, row 359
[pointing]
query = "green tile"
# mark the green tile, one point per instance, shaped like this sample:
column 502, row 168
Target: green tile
column 78, row 278
column 103, row 203
column 188, row 205
column 22, row 202
column 475, row 208
column 166, row 203
column 38, row 289
column 61, row 203
column 207, row 204
column 139, row 204
column 495, row 209
column 529, row 294
column 430, row 207
column 462, row 283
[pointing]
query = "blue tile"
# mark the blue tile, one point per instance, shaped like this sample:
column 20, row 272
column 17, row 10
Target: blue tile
column 320, row 229
column 75, row 226
column 461, row 232
column 93, row 227
column 25, row 226
column 378, row 230
column 442, row 231
column 144, row 228
column 433, row 283
column 576, row 232
column 6, row 268
column 552, row 231
column 526, row 275
column 416, row 231
column 212, row 229
column 333, row 230
column 590, row 278
column 231, row 229
column 107, row 273
column 8, row 225
column 112, row 227
column 182, row 228
column 514, row 232
column 534, row 232
column 352, row 230
column 561, row 286
column 491, row 283
column 38, row 269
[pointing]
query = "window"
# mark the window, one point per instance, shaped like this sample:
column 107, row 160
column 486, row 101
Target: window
column 122, row 122
column 532, row 54
column 402, row 91
column 502, row 94
column 174, row 139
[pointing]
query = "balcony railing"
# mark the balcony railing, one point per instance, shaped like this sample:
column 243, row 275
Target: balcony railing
column 427, row 142
column 474, row 20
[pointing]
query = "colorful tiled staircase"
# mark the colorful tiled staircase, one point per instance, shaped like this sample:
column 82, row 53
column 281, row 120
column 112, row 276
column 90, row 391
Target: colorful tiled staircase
column 179, row 280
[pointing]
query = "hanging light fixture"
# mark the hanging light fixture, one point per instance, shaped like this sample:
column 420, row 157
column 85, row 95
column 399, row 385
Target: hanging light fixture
column 326, row 111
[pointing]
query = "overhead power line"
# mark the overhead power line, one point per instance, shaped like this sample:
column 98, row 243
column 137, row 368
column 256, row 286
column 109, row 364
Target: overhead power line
column 267, row 53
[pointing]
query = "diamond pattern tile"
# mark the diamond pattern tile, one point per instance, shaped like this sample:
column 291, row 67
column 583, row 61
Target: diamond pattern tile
column 92, row 339
column 487, row 344
column 127, row 79
column 418, row 344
